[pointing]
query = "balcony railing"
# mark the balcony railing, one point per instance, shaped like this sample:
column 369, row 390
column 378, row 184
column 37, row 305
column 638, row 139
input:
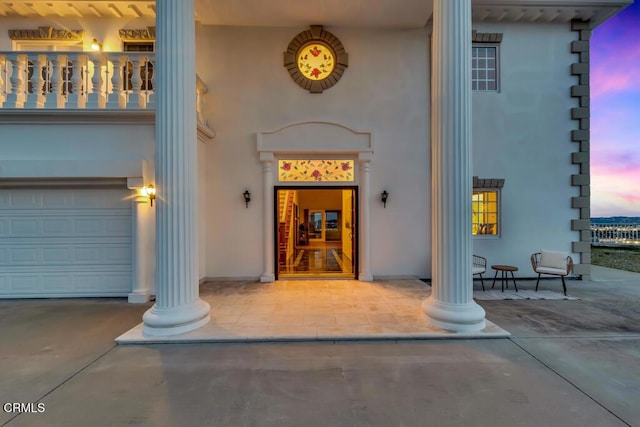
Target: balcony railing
column 80, row 80
column 615, row 234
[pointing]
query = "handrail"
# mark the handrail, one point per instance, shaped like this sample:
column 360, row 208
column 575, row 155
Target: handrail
column 616, row 233
column 81, row 80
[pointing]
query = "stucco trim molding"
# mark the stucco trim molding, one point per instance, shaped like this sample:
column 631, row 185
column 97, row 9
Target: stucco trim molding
column 323, row 138
column 71, row 169
column 581, row 136
column 315, row 137
column 47, row 33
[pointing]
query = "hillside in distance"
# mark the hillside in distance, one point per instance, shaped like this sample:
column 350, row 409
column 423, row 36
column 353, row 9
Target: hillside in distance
column 616, row 220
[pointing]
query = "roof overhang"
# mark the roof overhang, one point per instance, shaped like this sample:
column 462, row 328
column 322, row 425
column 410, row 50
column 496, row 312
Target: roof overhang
column 336, row 13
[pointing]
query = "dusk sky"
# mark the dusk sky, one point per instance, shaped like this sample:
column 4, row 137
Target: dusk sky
column 615, row 115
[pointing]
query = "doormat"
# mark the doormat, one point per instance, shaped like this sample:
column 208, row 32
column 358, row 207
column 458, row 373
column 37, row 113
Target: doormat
column 508, row 294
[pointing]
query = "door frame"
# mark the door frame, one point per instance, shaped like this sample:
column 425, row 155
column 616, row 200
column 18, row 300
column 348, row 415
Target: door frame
column 355, row 240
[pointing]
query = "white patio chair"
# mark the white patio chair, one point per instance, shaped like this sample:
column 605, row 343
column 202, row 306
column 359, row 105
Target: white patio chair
column 479, row 267
column 554, row 263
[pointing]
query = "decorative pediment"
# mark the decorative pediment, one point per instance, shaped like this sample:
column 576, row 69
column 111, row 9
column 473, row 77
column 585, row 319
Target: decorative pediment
column 488, row 182
column 139, row 34
column 477, row 37
column 47, row 33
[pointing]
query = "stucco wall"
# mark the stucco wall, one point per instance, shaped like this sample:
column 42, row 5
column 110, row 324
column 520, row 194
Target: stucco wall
column 522, row 134
column 384, row 91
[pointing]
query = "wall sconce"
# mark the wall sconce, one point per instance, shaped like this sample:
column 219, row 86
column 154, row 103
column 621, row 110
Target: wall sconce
column 383, row 198
column 247, row 197
column 95, row 46
column 150, row 192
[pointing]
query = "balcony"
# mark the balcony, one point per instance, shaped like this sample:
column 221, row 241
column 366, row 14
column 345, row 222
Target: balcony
column 108, row 81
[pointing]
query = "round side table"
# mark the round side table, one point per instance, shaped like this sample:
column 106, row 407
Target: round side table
column 504, row 278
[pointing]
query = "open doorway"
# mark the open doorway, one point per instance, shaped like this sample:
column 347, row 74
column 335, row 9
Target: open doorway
column 316, row 232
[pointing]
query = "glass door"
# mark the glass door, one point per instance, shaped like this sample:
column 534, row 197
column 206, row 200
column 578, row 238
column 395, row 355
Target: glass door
column 316, row 232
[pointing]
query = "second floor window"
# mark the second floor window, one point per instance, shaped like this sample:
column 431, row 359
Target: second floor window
column 484, row 68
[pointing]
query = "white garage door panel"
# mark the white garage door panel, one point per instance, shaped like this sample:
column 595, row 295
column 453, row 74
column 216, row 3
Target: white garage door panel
column 65, row 243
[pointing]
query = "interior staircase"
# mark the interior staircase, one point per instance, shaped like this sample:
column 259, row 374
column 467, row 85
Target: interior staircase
column 285, row 214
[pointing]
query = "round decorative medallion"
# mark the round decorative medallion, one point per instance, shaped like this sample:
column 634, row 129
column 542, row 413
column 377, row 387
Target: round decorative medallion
column 316, row 59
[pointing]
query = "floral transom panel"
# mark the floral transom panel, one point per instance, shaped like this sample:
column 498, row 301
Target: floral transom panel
column 316, row 170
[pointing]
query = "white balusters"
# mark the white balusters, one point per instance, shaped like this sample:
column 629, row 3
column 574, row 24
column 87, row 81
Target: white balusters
column 16, row 66
column 35, row 96
column 136, row 98
column 118, row 96
column 3, row 78
column 82, row 80
column 76, row 93
column 96, row 97
column 55, row 98
column 201, row 89
column 151, row 75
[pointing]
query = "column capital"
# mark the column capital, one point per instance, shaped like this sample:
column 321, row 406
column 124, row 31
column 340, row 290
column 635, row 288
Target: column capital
column 365, row 157
column 266, row 156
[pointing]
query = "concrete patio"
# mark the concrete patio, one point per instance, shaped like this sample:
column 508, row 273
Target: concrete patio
column 570, row 363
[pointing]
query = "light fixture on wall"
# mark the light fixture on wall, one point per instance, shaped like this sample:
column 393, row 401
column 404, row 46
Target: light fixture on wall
column 95, row 46
column 150, row 192
column 383, row 198
column 247, row 197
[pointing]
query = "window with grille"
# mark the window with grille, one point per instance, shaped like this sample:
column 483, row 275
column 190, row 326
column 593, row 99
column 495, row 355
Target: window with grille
column 484, row 68
column 486, row 212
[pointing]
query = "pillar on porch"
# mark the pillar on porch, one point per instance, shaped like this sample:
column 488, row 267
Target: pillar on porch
column 267, row 160
column 451, row 304
column 364, row 274
column 178, row 307
column 140, row 291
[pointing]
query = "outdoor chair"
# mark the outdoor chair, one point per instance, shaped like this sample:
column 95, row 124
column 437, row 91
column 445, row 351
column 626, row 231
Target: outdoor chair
column 479, row 267
column 554, row 263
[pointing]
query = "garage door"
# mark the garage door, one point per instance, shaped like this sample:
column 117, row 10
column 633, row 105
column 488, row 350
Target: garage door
column 65, row 242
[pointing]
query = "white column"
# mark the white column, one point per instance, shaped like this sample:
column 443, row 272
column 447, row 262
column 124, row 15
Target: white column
column 364, row 274
column 451, row 304
column 140, row 291
column 268, row 241
column 178, row 307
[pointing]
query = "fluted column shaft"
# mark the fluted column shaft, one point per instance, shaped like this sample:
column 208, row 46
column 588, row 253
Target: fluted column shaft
column 451, row 304
column 268, row 219
column 178, row 307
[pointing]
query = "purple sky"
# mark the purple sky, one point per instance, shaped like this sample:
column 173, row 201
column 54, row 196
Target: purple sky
column 615, row 115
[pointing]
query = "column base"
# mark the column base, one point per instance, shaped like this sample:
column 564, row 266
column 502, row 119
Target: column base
column 267, row 278
column 139, row 297
column 469, row 317
column 175, row 320
column 365, row 277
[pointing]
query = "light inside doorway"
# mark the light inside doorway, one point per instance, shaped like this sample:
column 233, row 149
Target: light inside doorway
column 316, row 233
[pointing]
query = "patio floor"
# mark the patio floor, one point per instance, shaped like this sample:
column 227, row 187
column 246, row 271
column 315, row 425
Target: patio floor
column 314, row 310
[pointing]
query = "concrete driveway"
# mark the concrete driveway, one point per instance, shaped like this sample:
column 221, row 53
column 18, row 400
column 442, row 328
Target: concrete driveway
column 567, row 363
